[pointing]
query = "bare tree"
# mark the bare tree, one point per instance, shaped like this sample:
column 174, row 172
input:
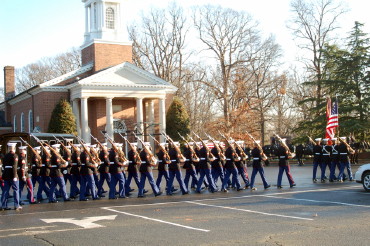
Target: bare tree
column 228, row 36
column 159, row 43
column 314, row 22
column 46, row 69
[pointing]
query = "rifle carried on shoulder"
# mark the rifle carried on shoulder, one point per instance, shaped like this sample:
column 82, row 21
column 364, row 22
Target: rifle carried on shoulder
column 352, row 151
column 33, row 151
column 42, row 146
column 193, row 154
column 217, row 146
column 64, row 147
column 211, row 156
column 311, row 140
column 120, row 153
column 148, row 151
column 264, row 157
column 182, row 158
column 82, row 142
column 290, row 154
column 167, row 156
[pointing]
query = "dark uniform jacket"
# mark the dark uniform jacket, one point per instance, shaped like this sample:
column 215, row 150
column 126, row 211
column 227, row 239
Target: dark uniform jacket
column 75, row 163
column 162, row 161
column 115, row 165
column 44, row 170
column 317, row 152
column 146, row 162
column 67, row 156
column 87, row 167
column 343, row 153
column 283, row 156
column 35, row 166
column 104, row 162
column 55, row 166
column 217, row 162
column 326, row 153
column 133, row 162
column 335, row 153
column 22, row 166
column 257, row 158
column 204, row 162
column 10, row 165
column 231, row 156
column 175, row 160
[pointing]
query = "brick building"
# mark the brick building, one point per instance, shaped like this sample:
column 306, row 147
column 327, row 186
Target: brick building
column 107, row 93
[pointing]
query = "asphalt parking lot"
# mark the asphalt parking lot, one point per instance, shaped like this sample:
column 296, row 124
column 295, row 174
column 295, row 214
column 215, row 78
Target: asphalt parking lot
column 309, row 214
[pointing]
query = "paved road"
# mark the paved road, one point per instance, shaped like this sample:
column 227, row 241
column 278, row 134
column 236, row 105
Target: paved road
column 310, row 214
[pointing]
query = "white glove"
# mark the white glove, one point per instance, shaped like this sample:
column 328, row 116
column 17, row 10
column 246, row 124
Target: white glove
column 24, row 178
column 15, row 179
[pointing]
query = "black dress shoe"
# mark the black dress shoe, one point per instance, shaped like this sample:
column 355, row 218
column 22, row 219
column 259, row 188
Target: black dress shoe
column 268, row 186
column 280, row 187
column 104, row 191
column 159, row 193
column 122, row 197
column 113, row 198
column 185, row 193
column 4, row 209
column 68, row 200
column 145, row 191
column 292, row 185
column 97, row 198
column 241, row 188
column 225, row 190
column 86, row 199
column 140, row 196
column 101, row 195
column 55, row 201
column 21, row 203
column 33, row 202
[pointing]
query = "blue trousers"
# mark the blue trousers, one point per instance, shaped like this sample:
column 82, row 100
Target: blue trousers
column 87, row 182
column 190, row 173
column 285, row 169
column 120, row 179
column 262, row 173
column 5, row 195
column 43, row 187
column 161, row 175
column 343, row 165
column 149, row 176
column 130, row 176
column 103, row 177
column 29, row 184
column 218, row 172
column 235, row 179
column 74, row 188
column 178, row 176
column 333, row 165
column 62, row 186
column 205, row 172
column 315, row 165
column 242, row 171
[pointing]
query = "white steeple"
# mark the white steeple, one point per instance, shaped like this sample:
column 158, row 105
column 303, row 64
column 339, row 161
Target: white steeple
column 104, row 22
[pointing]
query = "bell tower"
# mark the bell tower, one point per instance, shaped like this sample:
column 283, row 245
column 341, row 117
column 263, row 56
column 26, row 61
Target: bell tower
column 106, row 40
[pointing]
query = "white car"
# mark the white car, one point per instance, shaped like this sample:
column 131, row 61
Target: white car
column 363, row 176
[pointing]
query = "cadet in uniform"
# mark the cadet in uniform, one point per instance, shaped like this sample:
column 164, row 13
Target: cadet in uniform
column 103, row 169
column 116, row 166
column 231, row 157
column 75, row 170
column 1, row 172
column 190, row 158
column 258, row 167
column 174, row 169
column 325, row 160
column 334, row 160
column 44, row 175
column 205, row 159
column 284, row 166
column 132, row 170
column 317, row 152
column 240, row 164
column 217, row 167
column 24, row 178
column 163, row 161
column 55, row 165
column 66, row 170
column 10, row 178
column 86, row 174
column 147, row 162
column 35, row 168
column 344, row 151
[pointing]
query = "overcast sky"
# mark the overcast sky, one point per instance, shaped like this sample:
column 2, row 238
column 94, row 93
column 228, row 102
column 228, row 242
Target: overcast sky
column 32, row 29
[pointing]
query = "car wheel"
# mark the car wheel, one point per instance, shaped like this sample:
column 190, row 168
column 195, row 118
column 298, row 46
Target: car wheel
column 366, row 181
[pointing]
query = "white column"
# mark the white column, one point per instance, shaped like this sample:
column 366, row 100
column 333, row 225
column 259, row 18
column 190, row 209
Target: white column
column 150, row 113
column 109, row 116
column 162, row 117
column 139, row 114
column 84, row 120
column 76, row 112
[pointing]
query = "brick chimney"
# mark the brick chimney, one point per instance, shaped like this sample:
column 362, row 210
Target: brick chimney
column 9, row 82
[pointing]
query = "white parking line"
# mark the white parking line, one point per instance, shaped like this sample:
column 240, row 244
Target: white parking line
column 157, row 220
column 250, row 211
column 316, row 201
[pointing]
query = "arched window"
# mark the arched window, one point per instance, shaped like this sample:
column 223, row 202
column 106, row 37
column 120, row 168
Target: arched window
column 15, row 123
column 30, row 121
column 109, row 18
column 22, row 122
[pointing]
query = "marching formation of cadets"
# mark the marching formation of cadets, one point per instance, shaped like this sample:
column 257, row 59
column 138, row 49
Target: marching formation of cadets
column 333, row 156
column 87, row 167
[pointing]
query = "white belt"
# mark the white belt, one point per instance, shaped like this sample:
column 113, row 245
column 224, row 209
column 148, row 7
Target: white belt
column 130, row 162
column 159, row 160
column 202, row 159
column 325, row 154
column 343, row 153
column 283, row 156
column 187, row 159
column 43, row 165
column 54, row 166
column 83, row 164
column 33, row 165
column 228, row 159
column 102, row 162
column 112, row 162
column 317, row 153
column 257, row 158
column 8, row 167
column 74, row 164
column 173, row 160
column 143, row 162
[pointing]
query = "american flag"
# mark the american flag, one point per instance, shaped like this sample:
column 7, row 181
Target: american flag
column 332, row 118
